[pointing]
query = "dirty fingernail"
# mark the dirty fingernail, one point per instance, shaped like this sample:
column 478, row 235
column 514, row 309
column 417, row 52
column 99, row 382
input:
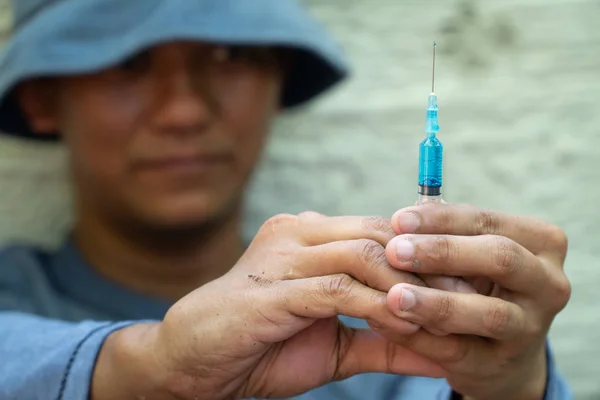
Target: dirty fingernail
column 407, row 300
column 404, row 250
column 408, row 222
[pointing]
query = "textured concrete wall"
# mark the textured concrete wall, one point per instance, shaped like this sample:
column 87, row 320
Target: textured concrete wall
column 518, row 82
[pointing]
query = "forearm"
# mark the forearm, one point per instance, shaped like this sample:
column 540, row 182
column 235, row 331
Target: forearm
column 129, row 368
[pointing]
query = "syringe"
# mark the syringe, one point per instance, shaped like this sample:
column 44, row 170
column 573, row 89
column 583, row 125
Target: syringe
column 431, row 151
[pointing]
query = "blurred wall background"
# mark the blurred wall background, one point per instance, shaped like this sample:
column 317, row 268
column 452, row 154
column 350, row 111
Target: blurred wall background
column 518, row 82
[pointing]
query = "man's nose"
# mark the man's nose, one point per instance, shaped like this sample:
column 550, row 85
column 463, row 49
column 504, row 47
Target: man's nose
column 186, row 103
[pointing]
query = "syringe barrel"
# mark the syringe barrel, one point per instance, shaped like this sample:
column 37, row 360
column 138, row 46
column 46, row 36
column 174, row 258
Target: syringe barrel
column 431, row 157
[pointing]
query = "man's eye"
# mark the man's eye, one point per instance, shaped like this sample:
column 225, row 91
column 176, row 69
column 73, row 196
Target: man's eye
column 254, row 56
column 138, row 64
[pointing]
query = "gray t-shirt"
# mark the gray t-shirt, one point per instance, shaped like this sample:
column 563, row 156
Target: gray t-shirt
column 56, row 311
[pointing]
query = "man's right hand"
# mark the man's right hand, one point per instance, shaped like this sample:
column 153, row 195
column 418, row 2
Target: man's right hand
column 269, row 327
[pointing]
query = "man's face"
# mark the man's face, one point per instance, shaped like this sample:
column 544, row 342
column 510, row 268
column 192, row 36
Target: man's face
column 170, row 136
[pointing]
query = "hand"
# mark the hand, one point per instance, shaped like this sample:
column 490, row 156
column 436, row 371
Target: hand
column 269, row 327
column 497, row 346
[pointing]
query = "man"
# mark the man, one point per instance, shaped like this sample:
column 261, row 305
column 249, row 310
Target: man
column 165, row 106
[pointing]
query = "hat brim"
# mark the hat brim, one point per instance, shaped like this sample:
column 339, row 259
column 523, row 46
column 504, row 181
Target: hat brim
column 85, row 36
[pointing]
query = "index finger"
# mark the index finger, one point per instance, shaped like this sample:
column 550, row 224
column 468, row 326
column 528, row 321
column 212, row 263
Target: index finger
column 313, row 229
column 532, row 233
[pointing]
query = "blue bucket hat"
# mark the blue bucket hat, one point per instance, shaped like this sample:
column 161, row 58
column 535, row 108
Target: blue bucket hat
column 70, row 37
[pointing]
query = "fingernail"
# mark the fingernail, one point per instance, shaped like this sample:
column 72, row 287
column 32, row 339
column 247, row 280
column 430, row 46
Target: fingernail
column 408, row 222
column 407, row 300
column 404, row 250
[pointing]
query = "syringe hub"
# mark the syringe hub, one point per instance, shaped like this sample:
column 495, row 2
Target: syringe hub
column 432, row 101
column 431, row 125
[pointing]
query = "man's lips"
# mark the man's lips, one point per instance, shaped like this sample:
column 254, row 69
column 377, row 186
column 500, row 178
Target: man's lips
column 185, row 163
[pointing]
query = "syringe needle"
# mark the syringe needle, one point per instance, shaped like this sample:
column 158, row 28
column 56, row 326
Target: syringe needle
column 431, row 151
column 433, row 70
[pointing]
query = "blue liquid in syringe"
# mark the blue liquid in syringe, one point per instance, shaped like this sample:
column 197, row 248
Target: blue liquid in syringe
column 431, row 155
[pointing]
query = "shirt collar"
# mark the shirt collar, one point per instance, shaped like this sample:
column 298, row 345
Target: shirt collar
column 80, row 282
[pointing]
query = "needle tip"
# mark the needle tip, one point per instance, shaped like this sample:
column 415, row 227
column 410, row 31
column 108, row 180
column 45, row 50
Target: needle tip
column 434, row 43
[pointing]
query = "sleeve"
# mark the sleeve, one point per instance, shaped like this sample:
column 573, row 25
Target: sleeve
column 556, row 386
column 49, row 359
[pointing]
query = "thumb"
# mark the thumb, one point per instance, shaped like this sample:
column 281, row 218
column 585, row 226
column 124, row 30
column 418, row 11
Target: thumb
column 365, row 351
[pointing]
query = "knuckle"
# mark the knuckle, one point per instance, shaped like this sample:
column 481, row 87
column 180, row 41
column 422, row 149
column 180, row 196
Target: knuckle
column 370, row 253
column 507, row 256
column 563, row 291
column 488, row 221
column 444, row 308
column 534, row 328
column 443, row 249
column 454, row 350
column 310, row 215
column 278, row 223
column 380, row 224
column 557, row 239
column 337, row 286
column 371, row 256
column 497, row 320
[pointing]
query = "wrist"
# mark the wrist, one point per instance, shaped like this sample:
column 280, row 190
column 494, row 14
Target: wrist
column 531, row 385
column 534, row 388
column 128, row 366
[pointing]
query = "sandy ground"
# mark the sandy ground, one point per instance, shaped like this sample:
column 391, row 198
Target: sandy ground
column 517, row 82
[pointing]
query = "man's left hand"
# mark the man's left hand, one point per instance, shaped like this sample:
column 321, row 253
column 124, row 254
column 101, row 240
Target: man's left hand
column 495, row 347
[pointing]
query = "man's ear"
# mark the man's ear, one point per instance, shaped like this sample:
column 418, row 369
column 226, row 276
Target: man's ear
column 37, row 99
